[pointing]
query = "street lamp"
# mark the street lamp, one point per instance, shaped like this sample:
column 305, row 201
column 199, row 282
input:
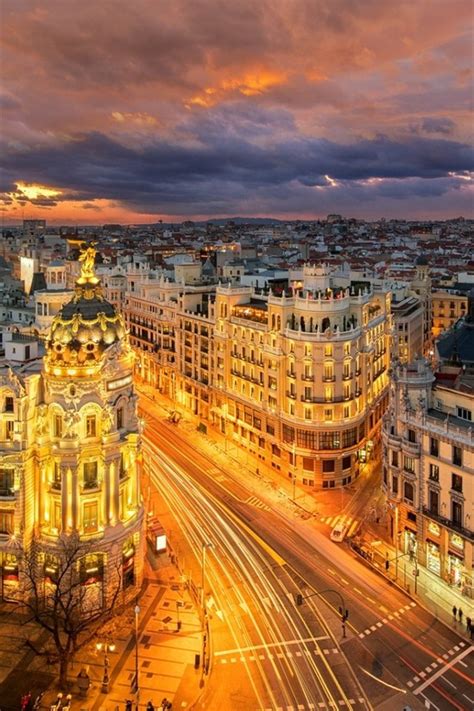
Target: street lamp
column 107, row 647
column 137, row 683
column 205, row 546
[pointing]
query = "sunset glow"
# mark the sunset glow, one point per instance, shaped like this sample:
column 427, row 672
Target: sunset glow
column 236, row 110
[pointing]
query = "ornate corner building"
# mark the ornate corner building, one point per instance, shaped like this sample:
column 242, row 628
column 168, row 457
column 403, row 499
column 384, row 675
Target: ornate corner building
column 300, row 379
column 70, row 448
column 428, row 470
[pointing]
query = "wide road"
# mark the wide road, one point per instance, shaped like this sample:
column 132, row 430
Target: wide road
column 268, row 653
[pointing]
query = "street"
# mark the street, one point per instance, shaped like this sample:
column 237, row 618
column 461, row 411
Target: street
column 268, row 653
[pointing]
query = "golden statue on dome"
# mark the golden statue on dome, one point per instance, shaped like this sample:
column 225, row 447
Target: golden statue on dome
column 87, row 257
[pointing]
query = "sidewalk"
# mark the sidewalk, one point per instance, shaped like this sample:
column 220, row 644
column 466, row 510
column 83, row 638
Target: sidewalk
column 433, row 593
column 166, row 654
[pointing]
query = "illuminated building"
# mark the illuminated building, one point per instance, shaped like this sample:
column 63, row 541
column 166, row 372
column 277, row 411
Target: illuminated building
column 69, row 446
column 448, row 307
column 299, row 379
column 428, row 472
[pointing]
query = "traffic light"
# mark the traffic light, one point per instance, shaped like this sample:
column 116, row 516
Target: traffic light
column 387, row 564
column 299, row 599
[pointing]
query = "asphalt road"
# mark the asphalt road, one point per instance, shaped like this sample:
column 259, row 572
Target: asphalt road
column 268, row 653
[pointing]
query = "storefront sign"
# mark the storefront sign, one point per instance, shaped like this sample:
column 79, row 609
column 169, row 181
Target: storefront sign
column 456, row 541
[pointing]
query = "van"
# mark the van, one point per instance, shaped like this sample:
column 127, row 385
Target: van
column 338, row 533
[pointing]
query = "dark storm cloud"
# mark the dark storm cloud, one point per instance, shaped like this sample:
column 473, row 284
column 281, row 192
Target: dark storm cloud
column 438, row 125
column 227, row 167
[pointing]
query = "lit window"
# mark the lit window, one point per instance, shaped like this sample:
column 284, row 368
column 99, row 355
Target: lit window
column 90, row 522
column 90, row 426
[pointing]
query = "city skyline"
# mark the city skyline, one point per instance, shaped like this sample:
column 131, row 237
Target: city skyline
column 202, row 109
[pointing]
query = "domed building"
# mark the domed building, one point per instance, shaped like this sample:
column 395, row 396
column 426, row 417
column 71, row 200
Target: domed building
column 75, row 444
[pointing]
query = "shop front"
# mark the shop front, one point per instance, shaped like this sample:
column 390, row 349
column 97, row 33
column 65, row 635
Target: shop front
column 456, row 559
column 9, row 575
column 128, row 565
column 409, row 543
column 433, row 557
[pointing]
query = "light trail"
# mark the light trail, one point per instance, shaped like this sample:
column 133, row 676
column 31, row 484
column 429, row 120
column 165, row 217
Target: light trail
column 253, row 560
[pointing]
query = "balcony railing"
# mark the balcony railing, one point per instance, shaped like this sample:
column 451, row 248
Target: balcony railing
column 448, row 523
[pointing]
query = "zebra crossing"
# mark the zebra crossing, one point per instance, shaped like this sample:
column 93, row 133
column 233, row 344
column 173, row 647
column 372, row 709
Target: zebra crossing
column 345, row 520
column 255, row 501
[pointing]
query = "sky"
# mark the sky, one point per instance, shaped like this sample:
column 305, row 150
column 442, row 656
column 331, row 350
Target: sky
column 133, row 112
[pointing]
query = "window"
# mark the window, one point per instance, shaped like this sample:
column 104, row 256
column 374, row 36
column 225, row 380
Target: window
column 456, row 513
column 90, row 475
column 329, row 440
column 119, row 418
column 434, row 472
column 307, row 439
column 456, row 482
column 90, row 426
column 57, row 517
column 434, row 502
column 409, row 464
column 275, row 450
column 9, row 404
column 395, row 484
column 434, row 447
column 346, row 462
column 308, row 372
column 328, row 415
column 270, row 429
column 6, row 521
column 411, row 436
column 307, row 413
column 394, row 459
column 288, row 433
column 349, row 437
column 328, row 351
column 58, row 425
column 464, row 414
column 6, row 482
column 9, row 429
column 56, row 482
column 457, row 456
column 90, row 517
column 329, row 465
column 408, row 491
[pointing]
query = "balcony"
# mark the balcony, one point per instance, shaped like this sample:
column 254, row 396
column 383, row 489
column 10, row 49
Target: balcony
column 307, row 378
column 7, row 493
column 291, row 374
column 329, row 378
column 412, row 448
column 291, row 395
column 348, row 376
column 448, row 523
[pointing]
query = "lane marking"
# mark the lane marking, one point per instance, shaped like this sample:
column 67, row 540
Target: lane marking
column 442, row 669
column 471, row 701
column 384, row 683
column 284, row 643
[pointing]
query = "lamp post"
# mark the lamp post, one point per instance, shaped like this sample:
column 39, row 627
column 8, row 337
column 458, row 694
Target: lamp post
column 137, row 683
column 107, row 647
column 205, row 546
column 396, row 541
column 294, row 471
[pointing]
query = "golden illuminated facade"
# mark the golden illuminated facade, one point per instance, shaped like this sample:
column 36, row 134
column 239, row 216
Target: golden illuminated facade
column 69, row 445
column 447, row 309
column 299, row 380
column 428, row 472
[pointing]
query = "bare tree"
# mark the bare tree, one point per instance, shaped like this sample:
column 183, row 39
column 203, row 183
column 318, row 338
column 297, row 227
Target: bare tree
column 65, row 593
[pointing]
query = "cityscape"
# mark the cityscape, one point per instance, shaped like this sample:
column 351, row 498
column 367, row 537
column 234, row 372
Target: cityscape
column 236, row 357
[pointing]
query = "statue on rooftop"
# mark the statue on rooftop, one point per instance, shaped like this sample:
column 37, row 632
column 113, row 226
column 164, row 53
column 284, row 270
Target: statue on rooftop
column 87, row 257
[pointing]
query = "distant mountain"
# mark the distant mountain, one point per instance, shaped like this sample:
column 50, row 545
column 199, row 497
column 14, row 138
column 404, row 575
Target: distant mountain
column 242, row 221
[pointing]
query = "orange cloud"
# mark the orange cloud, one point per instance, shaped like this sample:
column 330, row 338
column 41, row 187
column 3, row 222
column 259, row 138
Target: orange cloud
column 249, row 85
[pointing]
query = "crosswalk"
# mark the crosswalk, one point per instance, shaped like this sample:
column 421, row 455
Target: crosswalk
column 349, row 521
column 255, row 501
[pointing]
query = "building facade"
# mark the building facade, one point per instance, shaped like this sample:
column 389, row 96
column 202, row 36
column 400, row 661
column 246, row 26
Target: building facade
column 448, row 308
column 298, row 379
column 428, row 469
column 69, row 449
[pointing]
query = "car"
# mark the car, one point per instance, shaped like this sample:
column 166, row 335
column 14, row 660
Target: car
column 338, row 533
